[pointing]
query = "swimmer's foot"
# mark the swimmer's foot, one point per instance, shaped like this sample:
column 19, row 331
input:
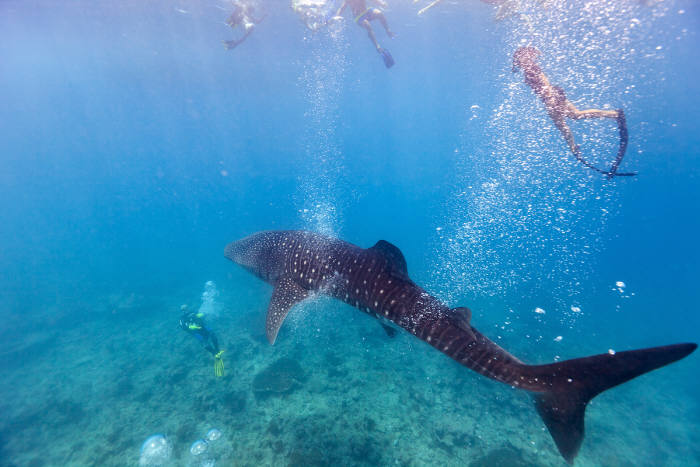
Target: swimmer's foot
column 386, row 56
column 230, row 44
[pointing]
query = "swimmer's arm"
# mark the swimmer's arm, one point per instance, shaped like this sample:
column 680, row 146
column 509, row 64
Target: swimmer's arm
column 342, row 8
column 432, row 4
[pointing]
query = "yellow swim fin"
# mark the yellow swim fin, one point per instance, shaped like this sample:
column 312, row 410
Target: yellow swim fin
column 218, row 365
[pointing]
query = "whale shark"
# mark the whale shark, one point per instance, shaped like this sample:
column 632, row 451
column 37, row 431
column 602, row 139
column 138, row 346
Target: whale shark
column 300, row 264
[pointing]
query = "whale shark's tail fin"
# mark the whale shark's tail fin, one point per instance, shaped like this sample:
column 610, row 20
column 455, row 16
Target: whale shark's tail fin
column 575, row 382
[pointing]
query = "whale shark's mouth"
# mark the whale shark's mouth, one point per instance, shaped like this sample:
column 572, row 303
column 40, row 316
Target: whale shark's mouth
column 256, row 253
column 233, row 251
column 244, row 251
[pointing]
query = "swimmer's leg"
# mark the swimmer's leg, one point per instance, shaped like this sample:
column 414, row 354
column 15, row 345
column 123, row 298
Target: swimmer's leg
column 368, row 27
column 386, row 56
column 232, row 44
column 619, row 115
column 377, row 14
column 576, row 114
column 560, row 123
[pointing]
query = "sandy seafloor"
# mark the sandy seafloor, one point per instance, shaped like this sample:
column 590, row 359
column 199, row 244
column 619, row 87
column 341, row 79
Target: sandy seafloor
column 90, row 395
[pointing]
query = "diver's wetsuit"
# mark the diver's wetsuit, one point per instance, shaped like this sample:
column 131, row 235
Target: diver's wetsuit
column 193, row 323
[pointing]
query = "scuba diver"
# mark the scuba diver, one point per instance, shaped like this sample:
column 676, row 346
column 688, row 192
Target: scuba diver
column 559, row 108
column 193, row 323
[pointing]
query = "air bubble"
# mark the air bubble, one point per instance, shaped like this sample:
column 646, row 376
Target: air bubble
column 198, row 447
column 155, row 451
column 213, row 434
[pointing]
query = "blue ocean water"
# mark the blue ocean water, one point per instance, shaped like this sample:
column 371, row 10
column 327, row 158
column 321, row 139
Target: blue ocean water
column 134, row 147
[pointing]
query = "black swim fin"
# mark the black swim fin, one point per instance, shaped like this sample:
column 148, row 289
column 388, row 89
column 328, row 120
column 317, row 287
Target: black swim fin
column 386, row 56
column 624, row 137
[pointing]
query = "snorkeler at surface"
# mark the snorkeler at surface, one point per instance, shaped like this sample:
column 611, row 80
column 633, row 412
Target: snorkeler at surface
column 363, row 16
column 193, row 323
column 315, row 14
column 560, row 108
column 242, row 15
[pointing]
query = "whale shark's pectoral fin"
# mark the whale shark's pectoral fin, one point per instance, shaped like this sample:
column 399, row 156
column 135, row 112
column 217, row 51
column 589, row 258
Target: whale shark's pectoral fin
column 286, row 294
column 393, row 256
column 390, row 332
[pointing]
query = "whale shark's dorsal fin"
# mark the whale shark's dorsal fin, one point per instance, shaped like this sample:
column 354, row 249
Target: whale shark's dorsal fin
column 463, row 317
column 286, row 294
column 393, row 254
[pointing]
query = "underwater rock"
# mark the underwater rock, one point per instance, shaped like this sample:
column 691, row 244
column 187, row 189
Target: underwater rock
column 274, row 428
column 234, row 401
column 280, row 378
column 184, row 432
column 178, row 376
column 66, row 412
column 507, row 456
column 306, row 458
column 123, row 388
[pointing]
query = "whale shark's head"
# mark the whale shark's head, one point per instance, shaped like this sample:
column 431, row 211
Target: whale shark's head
column 261, row 253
